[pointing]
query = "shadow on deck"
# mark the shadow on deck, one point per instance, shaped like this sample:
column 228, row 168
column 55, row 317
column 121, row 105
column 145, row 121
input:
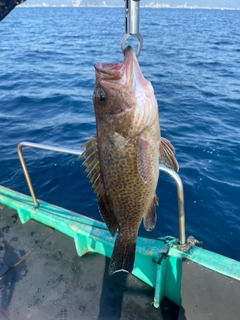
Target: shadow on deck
column 42, row 277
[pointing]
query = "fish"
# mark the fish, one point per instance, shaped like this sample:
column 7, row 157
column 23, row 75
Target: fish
column 122, row 159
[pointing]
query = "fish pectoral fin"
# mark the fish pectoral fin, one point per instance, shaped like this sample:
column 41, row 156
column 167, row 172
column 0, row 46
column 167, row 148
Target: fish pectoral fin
column 123, row 255
column 143, row 159
column 94, row 175
column 150, row 218
column 90, row 146
column 166, row 154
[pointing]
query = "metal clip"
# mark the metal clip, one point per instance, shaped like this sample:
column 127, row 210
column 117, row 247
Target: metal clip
column 140, row 41
column 132, row 24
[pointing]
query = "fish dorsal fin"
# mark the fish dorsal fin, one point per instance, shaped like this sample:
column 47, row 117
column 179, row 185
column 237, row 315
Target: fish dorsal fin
column 94, row 175
column 143, row 159
column 166, row 153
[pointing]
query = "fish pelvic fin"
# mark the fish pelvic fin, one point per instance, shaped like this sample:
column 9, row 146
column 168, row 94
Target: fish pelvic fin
column 166, row 153
column 150, row 218
column 106, row 210
column 143, row 159
column 123, row 255
column 94, row 175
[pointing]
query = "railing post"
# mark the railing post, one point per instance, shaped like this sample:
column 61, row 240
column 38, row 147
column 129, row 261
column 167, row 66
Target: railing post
column 42, row 147
column 25, row 170
column 180, row 195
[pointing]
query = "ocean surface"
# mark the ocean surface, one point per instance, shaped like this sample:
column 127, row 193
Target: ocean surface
column 192, row 58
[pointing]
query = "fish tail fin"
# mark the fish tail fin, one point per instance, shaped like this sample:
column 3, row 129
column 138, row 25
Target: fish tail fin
column 123, row 255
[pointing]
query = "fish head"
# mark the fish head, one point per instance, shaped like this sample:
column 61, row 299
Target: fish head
column 120, row 88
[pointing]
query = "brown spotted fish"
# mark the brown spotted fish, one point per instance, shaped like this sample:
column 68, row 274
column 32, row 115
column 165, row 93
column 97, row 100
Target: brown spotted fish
column 122, row 159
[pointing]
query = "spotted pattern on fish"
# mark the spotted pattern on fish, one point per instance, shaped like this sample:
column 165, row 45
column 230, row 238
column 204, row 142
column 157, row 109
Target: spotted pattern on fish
column 122, row 159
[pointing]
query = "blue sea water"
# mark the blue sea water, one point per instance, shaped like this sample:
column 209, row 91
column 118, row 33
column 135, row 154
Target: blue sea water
column 192, row 58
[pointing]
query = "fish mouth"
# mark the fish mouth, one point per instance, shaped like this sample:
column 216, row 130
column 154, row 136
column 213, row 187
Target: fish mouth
column 120, row 70
column 109, row 71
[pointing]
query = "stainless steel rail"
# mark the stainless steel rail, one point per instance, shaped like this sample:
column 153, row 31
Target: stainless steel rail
column 173, row 174
column 42, row 147
column 180, row 196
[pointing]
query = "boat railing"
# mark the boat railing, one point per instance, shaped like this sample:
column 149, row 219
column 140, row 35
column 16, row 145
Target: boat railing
column 173, row 175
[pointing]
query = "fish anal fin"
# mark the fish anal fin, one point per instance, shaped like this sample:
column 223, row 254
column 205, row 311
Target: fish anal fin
column 123, row 255
column 94, row 175
column 150, row 218
column 166, row 154
column 143, row 159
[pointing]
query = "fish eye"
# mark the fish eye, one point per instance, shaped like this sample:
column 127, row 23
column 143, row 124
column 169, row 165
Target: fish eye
column 102, row 97
column 99, row 95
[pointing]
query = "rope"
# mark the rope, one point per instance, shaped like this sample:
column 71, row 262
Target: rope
column 191, row 242
column 170, row 242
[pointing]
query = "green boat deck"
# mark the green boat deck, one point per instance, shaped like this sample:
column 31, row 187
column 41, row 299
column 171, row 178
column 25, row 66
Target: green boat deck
column 42, row 275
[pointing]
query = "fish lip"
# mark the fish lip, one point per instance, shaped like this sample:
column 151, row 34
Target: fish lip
column 116, row 71
column 109, row 71
column 129, row 55
column 107, row 67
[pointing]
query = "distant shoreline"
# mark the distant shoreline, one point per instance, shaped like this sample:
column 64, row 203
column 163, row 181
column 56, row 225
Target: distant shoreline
column 44, row 5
